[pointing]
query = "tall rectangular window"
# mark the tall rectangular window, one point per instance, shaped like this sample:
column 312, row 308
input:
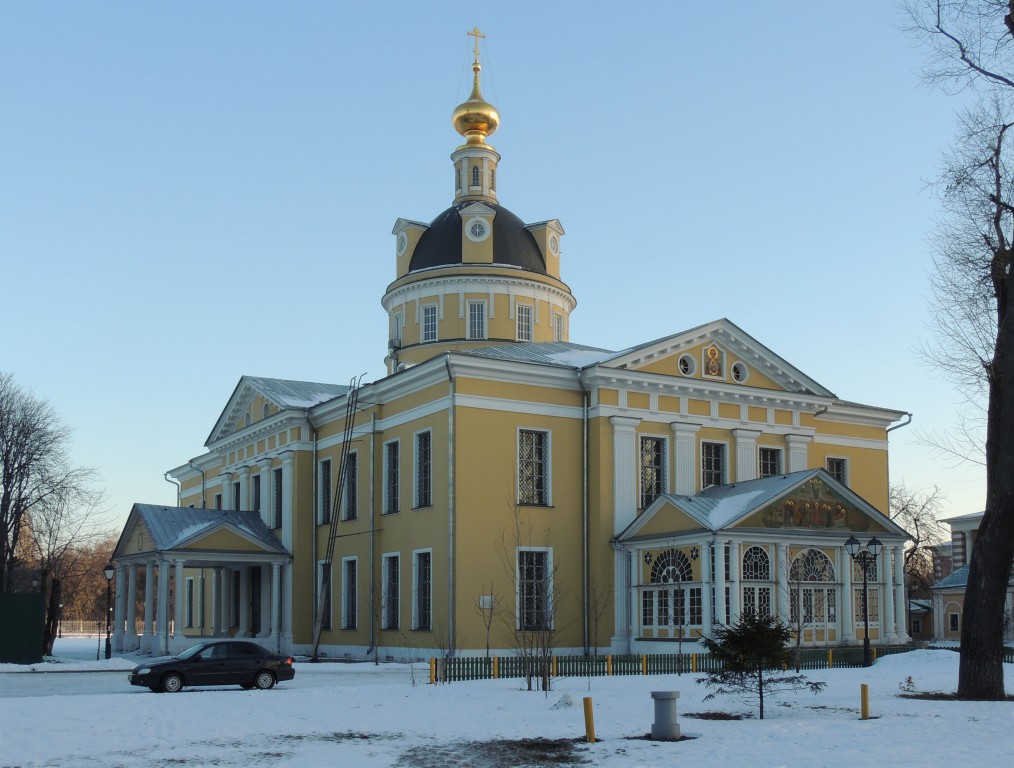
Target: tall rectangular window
column 557, row 326
column 712, row 464
column 397, row 328
column 349, row 594
column 325, row 491
column 391, row 477
column 256, row 493
column 236, row 495
column 325, row 593
column 277, row 511
column 429, row 322
column 838, row 469
column 652, row 469
column 218, row 501
column 533, row 467
column 351, row 486
column 477, row 320
column 422, row 592
column 534, row 589
column 524, row 315
column 190, row 602
column 423, row 470
column 769, row 462
column 389, row 609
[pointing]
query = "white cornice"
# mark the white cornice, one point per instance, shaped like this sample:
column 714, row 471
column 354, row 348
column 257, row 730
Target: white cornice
column 421, row 286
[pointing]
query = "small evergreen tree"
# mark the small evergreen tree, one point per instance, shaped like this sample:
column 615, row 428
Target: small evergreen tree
column 748, row 649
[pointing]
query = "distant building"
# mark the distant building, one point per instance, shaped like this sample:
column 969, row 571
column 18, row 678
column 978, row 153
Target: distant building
column 619, row 499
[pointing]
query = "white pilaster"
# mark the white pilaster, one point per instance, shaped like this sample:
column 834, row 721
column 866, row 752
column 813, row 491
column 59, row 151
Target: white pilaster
column 885, row 573
column 625, row 471
column 798, row 447
column 119, row 608
column 244, row 601
column 244, row 487
column 746, row 454
column 707, row 612
column 226, row 478
column 685, row 457
column 162, row 622
column 900, row 602
column 735, row 563
column 848, row 611
column 276, row 606
column 216, row 601
column 719, row 618
column 149, row 607
column 782, row 571
column 266, row 493
column 180, row 592
column 130, row 639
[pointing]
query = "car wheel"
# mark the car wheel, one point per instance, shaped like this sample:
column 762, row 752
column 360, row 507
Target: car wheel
column 264, row 680
column 172, row 682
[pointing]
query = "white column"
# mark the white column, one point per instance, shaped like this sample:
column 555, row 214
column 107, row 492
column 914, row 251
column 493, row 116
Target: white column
column 719, row 582
column 216, row 601
column 119, row 607
column 848, row 611
column 276, row 606
column 707, row 614
column 625, row 471
column 244, row 598
column 782, row 566
column 267, row 497
column 888, row 632
column 900, row 603
column 735, row 563
column 798, row 445
column 685, row 457
column 938, row 616
column 130, row 638
column 162, row 622
column 226, row 491
column 265, row 601
column 181, row 597
column 244, row 487
column 149, row 607
column 746, row 453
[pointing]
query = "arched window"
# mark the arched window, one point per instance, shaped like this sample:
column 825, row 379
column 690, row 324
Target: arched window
column 756, row 564
column 671, row 567
column 811, row 565
column 475, row 175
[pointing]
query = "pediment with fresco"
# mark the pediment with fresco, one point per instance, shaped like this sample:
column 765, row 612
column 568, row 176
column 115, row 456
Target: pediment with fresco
column 814, row 505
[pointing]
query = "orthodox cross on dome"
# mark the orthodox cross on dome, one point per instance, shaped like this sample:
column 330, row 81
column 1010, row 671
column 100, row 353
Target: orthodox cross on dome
column 476, row 34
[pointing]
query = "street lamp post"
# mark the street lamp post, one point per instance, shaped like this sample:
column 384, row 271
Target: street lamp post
column 866, row 557
column 109, row 570
column 59, row 621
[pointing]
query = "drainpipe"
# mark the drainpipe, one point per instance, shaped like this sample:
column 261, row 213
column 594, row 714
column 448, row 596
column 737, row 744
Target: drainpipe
column 313, row 527
column 584, row 512
column 450, row 506
column 903, row 424
column 204, row 503
column 177, row 484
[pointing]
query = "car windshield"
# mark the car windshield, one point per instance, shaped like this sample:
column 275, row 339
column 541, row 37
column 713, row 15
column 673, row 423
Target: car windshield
column 192, row 651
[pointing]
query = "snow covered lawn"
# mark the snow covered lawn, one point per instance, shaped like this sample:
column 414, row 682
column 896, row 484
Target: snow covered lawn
column 361, row 715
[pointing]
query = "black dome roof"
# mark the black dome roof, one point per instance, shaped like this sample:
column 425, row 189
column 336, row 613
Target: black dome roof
column 440, row 245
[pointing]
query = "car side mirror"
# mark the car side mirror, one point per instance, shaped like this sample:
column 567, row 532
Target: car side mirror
column 198, row 657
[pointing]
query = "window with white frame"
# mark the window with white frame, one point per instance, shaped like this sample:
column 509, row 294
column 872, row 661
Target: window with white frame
column 397, row 327
column 713, row 465
column 391, row 594
column 812, row 601
column 391, row 479
column 477, row 320
column 838, row 469
column 277, row 505
column 429, row 322
column 324, row 575
column 324, row 489
column 351, row 511
column 769, row 462
column 349, row 593
column 557, row 326
column 652, row 469
column 535, row 589
column 533, row 467
column 422, row 590
column 524, row 318
column 756, row 598
column 423, row 470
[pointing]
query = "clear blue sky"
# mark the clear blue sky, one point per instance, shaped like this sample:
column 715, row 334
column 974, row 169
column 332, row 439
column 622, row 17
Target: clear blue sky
column 190, row 192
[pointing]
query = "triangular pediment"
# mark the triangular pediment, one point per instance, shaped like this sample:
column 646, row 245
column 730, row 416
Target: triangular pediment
column 256, row 399
column 222, row 538
column 719, row 352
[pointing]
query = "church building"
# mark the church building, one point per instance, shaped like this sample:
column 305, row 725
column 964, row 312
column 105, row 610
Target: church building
column 501, row 480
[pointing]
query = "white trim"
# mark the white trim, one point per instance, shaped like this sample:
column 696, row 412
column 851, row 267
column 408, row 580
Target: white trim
column 436, row 323
column 320, row 490
column 468, row 320
column 531, row 321
column 550, row 587
column 384, row 607
column 385, row 477
column 415, row 468
column 700, row 459
column 548, row 464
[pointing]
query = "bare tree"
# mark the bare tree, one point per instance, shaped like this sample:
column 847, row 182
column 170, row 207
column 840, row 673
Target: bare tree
column 600, row 601
column 971, row 43
column 488, row 606
column 916, row 512
column 34, row 468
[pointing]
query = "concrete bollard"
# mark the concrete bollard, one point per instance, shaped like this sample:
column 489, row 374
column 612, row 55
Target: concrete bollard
column 665, row 727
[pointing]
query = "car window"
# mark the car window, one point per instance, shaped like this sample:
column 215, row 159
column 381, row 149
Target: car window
column 219, row 651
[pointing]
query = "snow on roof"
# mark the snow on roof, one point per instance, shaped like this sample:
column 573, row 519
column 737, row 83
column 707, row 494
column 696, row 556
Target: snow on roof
column 297, row 394
column 169, row 526
column 562, row 353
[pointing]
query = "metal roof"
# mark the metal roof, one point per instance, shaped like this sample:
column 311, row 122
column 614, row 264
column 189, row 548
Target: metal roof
column 171, row 526
column 561, row 353
column 296, row 394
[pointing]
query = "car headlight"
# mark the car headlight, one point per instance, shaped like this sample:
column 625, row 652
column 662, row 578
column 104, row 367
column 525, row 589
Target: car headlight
column 142, row 670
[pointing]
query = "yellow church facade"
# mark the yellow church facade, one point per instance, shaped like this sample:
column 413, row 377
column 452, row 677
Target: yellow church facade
column 501, row 479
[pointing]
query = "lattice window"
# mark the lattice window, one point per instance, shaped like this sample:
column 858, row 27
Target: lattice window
column 534, row 590
column 652, row 469
column 671, row 567
column 325, row 589
column 873, row 596
column 476, row 320
column 769, row 462
column 423, row 470
column 811, row 565
column 429, row 331
column 524, row 313
column 712, row 464
column 475, row 175
column 872, row 570
column 756, row 564
column 256, row 493
column 423, row 592
column 838, row 469
column 351, row 486
column 391, row 478
column 391, row 592
column 533, row 486
column 278, row 498
column 325, row 491
column 350, row 603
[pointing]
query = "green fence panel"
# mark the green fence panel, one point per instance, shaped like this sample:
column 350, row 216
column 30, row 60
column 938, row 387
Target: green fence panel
column 21, row 620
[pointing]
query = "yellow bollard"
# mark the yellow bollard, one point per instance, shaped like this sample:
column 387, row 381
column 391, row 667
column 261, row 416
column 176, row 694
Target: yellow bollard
column 554, row 667
column 609, row 664
column 644, row 664
column 693, row 663
column 865, row 699
column 496, row 667
column 433, row 670
column 830, row 659
column 874, row 654
column 589, row 720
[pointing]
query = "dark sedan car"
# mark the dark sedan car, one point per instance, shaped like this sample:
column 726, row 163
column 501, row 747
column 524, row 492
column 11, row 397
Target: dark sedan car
column 223, row 662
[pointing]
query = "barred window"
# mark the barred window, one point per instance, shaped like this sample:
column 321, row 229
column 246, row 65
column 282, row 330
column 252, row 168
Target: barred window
column 429, row 325
column 770, row 462
column 278, row 497
column 256, row 493
column 423, row 606
column 533, row 486
column 652, row 469
column 391, row 478
column 351, row 486
column 325, row 592
column 423, row 470
column 838, row 469
column 390, row 607
column 236, row 493
column 350, row 607
column 325, row 491
column 534, row 590
column 756, row 564
column 712, row 464
column 524, row 313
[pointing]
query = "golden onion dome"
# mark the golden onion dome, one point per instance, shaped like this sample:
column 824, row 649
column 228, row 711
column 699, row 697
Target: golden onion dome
column 476, row 118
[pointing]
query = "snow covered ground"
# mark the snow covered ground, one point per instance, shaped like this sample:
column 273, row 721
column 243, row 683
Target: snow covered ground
column 361, row 715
